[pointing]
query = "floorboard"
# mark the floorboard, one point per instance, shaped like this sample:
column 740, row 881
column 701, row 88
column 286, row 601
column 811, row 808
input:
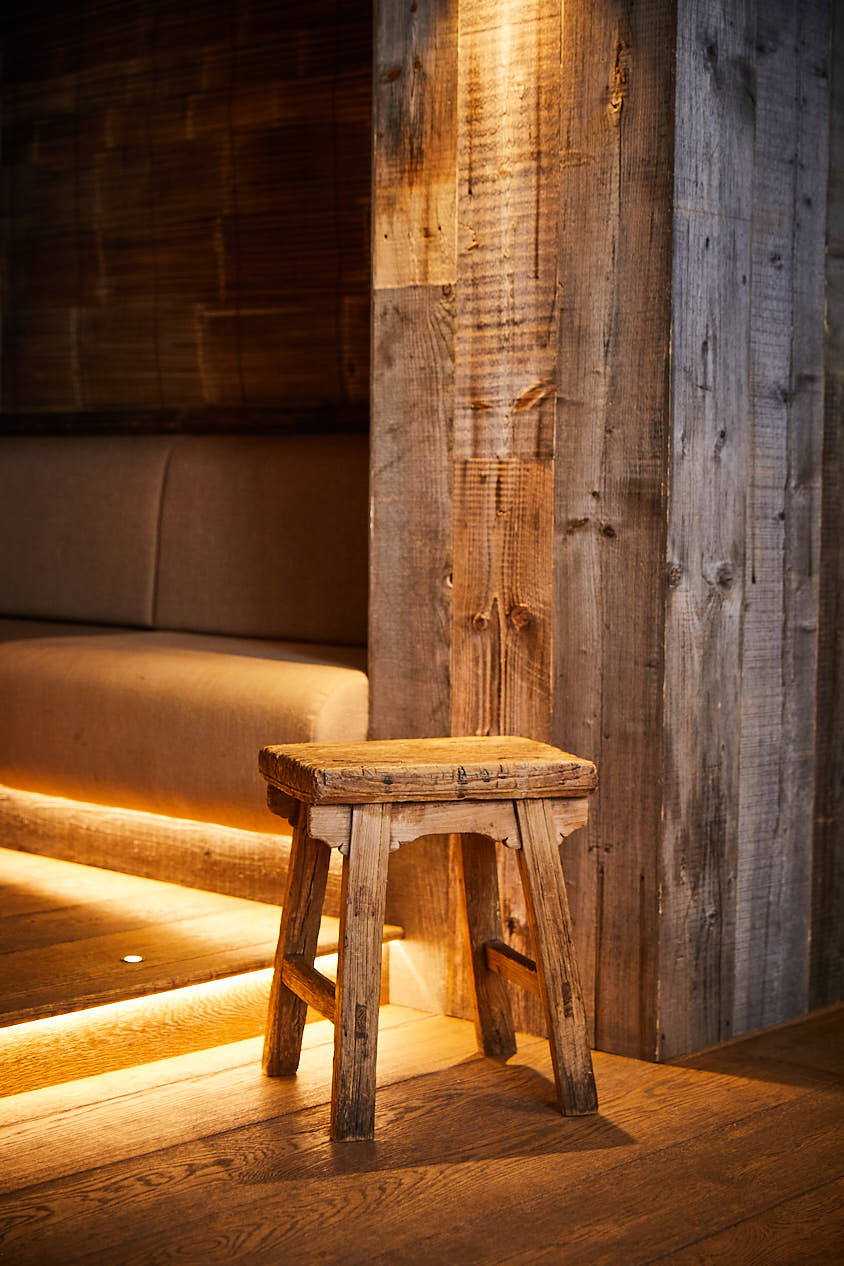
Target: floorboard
column 199, row 1158
column 65, row 929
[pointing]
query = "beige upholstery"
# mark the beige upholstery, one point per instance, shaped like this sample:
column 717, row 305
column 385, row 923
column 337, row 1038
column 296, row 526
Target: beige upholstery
column 266, row 538
column 79, row 525
column 262, row 538
column 240, row 535
column 167, row 722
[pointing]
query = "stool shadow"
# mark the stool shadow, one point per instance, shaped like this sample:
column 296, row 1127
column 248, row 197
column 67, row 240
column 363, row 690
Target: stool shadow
column 477, row 1110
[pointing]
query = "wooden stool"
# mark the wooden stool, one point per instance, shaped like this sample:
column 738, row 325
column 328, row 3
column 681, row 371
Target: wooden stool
column 369, row 798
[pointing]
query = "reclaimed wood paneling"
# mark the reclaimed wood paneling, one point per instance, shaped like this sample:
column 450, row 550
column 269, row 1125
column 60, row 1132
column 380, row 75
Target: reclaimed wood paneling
column 612, row 425
column 827, row 951
column 412, row 408
column 186, row 198
column 779, row 660
column 414, row 271
column 463, row 386
column 706, row 544
column 505, row 390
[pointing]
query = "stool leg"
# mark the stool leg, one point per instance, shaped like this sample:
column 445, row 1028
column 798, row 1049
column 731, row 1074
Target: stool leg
column 300, row 918
column 478, row 877
column 550, row 924
column 359, row 973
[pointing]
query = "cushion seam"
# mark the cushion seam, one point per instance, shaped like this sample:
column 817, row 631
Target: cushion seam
column 165, row 474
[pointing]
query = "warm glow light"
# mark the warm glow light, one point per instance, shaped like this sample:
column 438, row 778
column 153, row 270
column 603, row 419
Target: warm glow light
column 132, row 958
column 42, row 806
column 135, row 1008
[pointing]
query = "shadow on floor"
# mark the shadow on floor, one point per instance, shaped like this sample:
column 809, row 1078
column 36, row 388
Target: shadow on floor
column 476, row 1111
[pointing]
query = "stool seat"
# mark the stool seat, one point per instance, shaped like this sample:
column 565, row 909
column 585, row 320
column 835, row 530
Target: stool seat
column 389, row 770
column 369, row 798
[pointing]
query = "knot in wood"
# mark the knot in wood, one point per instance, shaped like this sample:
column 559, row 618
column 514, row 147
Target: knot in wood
column 480, row 621
column 520, row 616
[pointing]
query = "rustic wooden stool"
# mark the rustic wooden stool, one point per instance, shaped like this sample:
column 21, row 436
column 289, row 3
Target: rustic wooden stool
column 369, row 798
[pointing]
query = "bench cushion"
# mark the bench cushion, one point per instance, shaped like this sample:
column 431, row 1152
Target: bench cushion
column 166, row 722
column 266, row 537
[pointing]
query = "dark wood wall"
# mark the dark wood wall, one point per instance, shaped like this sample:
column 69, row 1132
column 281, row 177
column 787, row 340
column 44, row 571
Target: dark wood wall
column 186, row 191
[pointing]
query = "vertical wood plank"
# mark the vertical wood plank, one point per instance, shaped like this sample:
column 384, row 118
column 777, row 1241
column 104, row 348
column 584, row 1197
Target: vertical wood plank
column 505, row 380
column 827, row 954
column 300, row 916
column 478, row 882
column 556, row 961
column 779, row 661
column 612, row 426
column 358, row 988
column 414, row 271
column 411, row 532
column 501, row 640
column 505, row 367
column 415, row 143
column 414, row 230
column 505, row 374
column 710, row 403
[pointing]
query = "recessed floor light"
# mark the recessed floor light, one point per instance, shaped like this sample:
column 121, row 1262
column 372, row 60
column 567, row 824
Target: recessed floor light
column 132, row 958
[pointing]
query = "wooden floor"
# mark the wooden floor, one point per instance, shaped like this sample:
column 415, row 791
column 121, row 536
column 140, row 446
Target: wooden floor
column 65, row 930
column 732, row 1157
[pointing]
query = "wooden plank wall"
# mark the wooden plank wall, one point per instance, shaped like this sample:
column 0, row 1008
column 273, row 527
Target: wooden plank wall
column 685, row 443
column 612, row 438
column 744, row 518
column 463, row 391
column 827, row 958
column 186, row 194
column 412, row 410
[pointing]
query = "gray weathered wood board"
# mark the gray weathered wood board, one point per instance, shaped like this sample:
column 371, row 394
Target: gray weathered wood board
column 686, row 458
column 612, row 420
column 827, row 956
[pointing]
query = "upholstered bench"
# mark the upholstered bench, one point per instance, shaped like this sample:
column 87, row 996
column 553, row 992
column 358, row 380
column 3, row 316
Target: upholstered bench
column 170, row 604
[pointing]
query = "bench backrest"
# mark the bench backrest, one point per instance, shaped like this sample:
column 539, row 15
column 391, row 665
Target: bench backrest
column 245, row 535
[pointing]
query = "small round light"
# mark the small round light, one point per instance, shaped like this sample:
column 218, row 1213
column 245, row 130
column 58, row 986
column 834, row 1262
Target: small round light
column 132, row 958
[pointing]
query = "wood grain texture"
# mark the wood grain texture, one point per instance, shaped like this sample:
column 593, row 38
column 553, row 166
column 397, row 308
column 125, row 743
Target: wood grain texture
column 300, row 920
column 415, row 144
column 65, row 929
column 359, row 974
column 414, row 233
column 481, row 768
column 408, row 822
column 505, row 367
column 707, row 542
column 616, row 151
column 310, row 985
column 501, row 637
column 506, row 382
column 245, row 864
column 495, row 819
column 559, row 980
column 478, row 882
column 411, row 526
column 157, row 173
column 779, row 635
column 778, row 1233
column 827, row 951
column 505, row 961
column 201, row 1156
